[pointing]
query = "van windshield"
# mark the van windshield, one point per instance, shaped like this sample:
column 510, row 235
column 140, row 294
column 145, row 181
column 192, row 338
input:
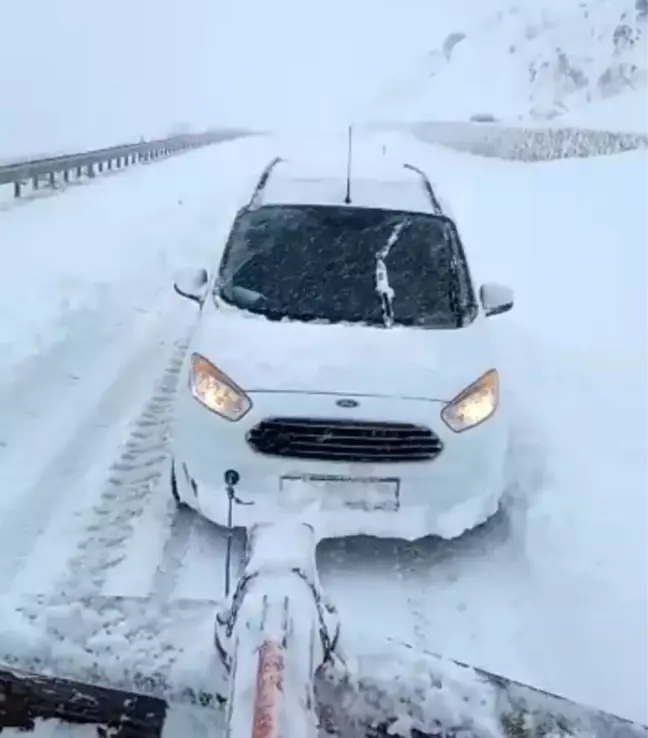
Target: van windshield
column 347, row 264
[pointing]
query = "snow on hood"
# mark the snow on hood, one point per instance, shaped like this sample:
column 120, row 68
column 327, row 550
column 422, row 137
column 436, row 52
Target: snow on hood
column 260, row 354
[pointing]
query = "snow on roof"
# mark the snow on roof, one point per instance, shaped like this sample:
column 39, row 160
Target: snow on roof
column 313, row 171
column 394, row 194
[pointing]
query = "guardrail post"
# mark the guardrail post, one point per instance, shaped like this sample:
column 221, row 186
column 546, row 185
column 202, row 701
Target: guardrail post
column 91, row 171
column 35, row 183
column 17, row 185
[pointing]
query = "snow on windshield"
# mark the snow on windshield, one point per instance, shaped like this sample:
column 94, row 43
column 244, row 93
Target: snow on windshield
column 346, row 264
column 383, row 287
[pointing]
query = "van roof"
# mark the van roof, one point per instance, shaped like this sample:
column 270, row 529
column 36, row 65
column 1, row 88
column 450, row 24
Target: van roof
column 384, row 184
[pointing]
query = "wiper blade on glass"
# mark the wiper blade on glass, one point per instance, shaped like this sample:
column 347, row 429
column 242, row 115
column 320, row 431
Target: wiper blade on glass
column 383, row 287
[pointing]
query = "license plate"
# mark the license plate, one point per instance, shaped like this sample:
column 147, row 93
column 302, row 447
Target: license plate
column 337, row 493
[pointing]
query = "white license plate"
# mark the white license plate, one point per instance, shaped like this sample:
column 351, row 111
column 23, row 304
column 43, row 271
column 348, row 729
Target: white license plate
column 337, row 493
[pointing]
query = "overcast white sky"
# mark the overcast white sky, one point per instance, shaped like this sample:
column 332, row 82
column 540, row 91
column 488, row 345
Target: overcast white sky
column 77, row 73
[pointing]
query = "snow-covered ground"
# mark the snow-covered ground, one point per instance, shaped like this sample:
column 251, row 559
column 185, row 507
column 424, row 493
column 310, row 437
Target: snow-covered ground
column 553, row 594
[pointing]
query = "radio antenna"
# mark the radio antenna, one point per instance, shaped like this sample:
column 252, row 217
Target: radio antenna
column 347, row 198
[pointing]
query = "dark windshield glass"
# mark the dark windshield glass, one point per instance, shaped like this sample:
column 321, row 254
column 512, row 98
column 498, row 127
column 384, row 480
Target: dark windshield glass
column 348, row 264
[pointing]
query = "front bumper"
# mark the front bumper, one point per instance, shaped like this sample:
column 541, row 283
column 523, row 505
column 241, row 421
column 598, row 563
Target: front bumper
column 445, row 496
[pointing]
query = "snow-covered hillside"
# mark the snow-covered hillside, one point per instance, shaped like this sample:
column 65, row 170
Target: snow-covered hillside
column 531, row 60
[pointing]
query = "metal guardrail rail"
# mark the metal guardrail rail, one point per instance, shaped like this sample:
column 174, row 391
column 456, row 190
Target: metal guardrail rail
column 50, row 171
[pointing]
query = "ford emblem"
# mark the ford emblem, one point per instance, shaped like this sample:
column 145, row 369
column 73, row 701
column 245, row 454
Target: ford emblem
column 346, row 402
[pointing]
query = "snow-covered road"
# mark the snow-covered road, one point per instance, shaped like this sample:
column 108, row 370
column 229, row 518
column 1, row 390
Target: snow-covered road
column 553, row 593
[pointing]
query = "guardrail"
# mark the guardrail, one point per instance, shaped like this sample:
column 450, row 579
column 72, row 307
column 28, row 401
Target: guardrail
column 50, row 171
column 528, row 144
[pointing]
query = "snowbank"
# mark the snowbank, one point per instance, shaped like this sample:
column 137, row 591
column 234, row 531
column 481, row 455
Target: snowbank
column 526, row 143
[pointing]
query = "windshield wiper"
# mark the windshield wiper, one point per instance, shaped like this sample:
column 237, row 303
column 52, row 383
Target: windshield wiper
column 383, row 287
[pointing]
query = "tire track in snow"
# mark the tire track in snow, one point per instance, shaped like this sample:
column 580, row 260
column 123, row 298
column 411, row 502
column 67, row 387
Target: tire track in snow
column 133, row 479
column 72, row 463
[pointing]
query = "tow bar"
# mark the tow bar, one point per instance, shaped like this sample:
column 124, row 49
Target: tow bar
column 277, row 631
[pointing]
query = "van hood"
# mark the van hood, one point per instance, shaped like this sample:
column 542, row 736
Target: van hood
column 263, row 355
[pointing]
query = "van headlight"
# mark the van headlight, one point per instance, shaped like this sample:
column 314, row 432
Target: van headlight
column 473, row 405
column 216, row 391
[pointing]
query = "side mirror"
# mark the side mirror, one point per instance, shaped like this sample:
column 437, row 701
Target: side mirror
column 496, row 298
column 192, row 284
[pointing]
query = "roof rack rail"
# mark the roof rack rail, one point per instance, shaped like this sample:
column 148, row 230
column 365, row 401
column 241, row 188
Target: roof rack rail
column 436, row 205
column 263, row 181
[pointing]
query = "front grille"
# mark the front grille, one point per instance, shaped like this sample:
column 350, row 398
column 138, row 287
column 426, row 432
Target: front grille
column 344, row 440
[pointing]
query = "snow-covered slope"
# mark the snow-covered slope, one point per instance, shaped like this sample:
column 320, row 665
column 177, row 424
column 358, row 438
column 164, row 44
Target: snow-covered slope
column 529, row 59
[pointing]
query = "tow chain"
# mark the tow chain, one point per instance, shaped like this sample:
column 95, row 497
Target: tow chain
column 227, row 619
